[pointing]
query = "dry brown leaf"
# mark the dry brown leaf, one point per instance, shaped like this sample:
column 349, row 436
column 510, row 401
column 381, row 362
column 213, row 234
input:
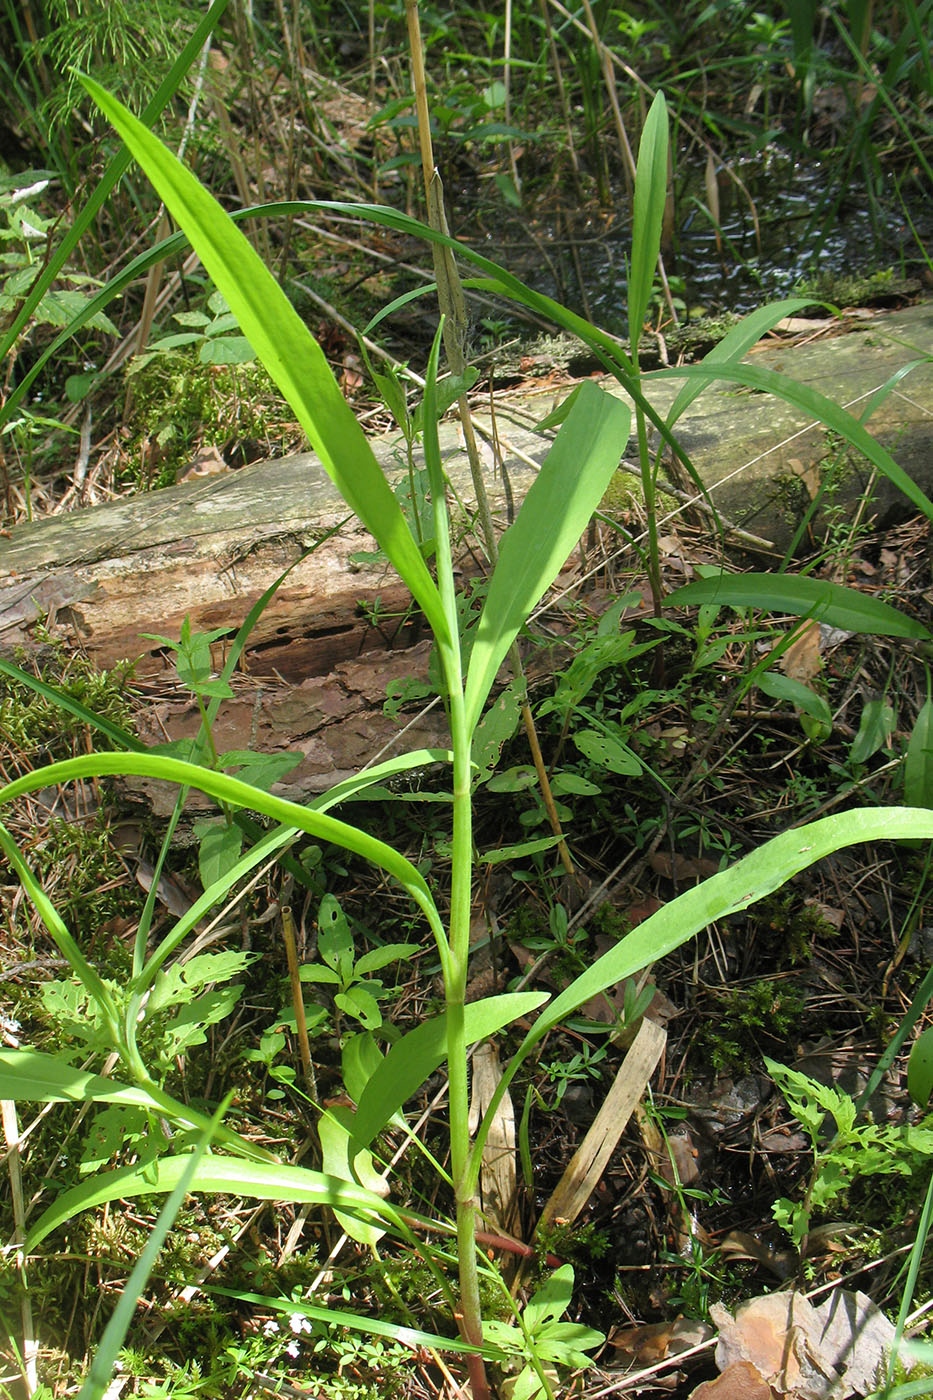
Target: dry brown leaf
column 827, row 912
column 643, row 1344
column 673, row 866
column 497, row 1178
column 648, row 1342
column 801, row 661
column 809, row 475
column 740, row 1381
column 806, row 1352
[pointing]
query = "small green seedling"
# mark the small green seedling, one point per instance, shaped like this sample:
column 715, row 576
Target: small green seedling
column 544, row 1341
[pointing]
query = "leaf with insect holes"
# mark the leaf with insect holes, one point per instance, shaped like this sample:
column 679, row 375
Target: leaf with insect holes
column 607, row 752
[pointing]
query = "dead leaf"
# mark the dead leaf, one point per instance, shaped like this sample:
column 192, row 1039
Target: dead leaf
column 678, row 868
column 809, row 475
column 497, row 1178
column 801, row 661
column 680, row 1158
column 805, row 1352
column 857, row 1336
column 740, row 1381
column 648, row 1342
column 588, row 1163
column 828, row 913
column 207, row 462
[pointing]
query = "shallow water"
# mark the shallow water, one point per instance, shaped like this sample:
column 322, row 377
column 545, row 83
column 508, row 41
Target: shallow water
column 806, row 228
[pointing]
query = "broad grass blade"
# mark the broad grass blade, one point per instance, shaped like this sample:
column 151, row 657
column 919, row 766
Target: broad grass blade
column 831, row 603
column 802, row 396
column 216, row 1173
column 757, row 875
column 373, row 1326
column 568, row 488
column 36, row 1077
column 285, row 347
column 736, row 343
column 105, row 1356
column 238, row 794
column 647, row 216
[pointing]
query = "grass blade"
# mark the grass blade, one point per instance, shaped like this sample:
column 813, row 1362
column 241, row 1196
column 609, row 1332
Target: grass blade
column 831, row 603
column 647, row 216
column 819, row 407
column 568, row 488
column 286, row 348
column 35, row 1077
column 216, row 1173
column 105, row 1357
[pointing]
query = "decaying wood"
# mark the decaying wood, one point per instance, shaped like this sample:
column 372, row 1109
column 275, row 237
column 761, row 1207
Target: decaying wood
column 315, row 671
column 336, row 630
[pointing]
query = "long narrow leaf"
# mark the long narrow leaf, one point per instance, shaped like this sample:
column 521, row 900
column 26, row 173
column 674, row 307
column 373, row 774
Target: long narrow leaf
column 815, row 404
column 372, row 1326
column 647, row 215
column 34, row 1077
column 60, row 932
column 237, row 794
column 286, row 348
column 736, row 343
column 102, row 1366
column 214, row 1174
column 417, row 1055
column 750, row 879
column 563, row 496
column 831, row 603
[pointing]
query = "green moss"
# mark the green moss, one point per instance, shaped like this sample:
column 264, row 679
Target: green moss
column 35, row 725
column 745, row 1021
column 180, row 405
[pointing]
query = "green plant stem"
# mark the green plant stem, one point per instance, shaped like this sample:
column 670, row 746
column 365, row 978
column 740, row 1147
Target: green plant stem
column 649, row 485
column 458, row 936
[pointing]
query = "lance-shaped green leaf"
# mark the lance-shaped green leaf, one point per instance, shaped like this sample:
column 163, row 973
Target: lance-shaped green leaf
column 918, row 765
column 563, row 496
column 34, row 1077
column 647, row 215
column 232, row 1175
column 286, row 348
column 105, row 1356
column 736, row 343
column 832, row 603
column 750, row 879
column 238, row 794
column 417, row 1055
column 817, row 405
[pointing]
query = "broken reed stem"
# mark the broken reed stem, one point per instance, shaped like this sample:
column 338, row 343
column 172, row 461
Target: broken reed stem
column 294, row 977
column 453, row 309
